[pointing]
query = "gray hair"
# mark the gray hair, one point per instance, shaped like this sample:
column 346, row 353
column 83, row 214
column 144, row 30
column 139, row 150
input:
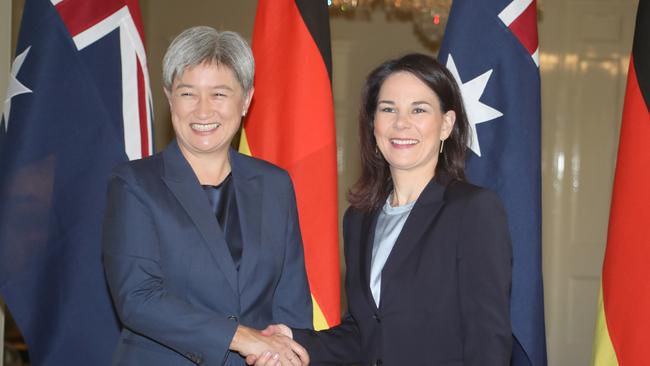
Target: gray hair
column 197, row 45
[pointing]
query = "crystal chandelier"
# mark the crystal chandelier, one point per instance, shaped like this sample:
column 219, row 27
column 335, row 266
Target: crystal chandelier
column 429, row 16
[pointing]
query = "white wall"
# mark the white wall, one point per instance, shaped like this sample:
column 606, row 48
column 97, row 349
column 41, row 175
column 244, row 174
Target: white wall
column 585, row 47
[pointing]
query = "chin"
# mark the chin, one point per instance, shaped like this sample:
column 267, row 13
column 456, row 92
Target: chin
column 401, row 166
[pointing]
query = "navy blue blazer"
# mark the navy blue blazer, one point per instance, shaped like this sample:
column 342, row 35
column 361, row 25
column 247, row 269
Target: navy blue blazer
column 445, row 288
column 169, row 270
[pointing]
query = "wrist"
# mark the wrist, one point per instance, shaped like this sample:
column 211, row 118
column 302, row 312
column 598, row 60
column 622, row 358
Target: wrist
column 242, row 333
column 288, row 331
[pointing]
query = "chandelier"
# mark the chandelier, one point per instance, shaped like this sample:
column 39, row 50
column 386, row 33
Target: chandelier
column 428, row 16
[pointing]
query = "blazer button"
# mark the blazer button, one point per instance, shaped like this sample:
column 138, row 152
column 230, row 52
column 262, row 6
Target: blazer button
column 233, row 317
column 376, row 317
column 194, row 358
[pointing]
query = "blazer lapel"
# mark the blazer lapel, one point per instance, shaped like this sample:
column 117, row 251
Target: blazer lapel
column 420, row 220
column 182, row 182
column 367, row 238
column 248, row 189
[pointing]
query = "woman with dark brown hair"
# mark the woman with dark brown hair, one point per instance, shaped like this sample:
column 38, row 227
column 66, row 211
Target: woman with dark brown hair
column 428, row 255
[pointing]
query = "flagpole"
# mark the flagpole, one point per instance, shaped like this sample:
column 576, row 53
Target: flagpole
column 5, row 56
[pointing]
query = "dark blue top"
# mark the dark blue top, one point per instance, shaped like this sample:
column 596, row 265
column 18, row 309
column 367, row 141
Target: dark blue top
column 224, row 205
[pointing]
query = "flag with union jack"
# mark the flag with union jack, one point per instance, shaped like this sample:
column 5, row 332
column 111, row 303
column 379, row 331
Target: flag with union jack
column 78, row 103
column 491, row 48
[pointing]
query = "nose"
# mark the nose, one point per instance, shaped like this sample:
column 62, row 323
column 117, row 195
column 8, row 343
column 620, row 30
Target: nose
column 204, row 108
column 401, row 121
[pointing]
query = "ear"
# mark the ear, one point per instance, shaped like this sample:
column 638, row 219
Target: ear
column 247, row 101
column 448, row 120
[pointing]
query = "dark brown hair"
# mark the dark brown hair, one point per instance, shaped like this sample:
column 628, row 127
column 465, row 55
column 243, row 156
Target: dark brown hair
column 375, row 183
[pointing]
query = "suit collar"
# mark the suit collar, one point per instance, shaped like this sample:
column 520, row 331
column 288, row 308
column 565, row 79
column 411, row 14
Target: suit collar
column 368, row 225
column 182, row 181
column 421, row 219
column 249, row 188
column 177, row 167
column 434, row 191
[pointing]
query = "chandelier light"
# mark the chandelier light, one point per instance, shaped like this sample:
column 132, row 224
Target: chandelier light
column 428, row 16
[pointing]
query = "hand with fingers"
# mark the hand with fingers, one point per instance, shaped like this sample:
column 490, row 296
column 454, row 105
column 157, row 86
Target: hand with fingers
column 268, row 358
column 278, row 329
column 275, row 349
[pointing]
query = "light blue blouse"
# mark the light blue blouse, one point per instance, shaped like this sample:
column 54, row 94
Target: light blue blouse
column 389, row 225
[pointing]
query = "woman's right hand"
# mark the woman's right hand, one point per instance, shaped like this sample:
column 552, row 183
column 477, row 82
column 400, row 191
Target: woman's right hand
column 278, row 329
column 253, row 344
column 269, row 358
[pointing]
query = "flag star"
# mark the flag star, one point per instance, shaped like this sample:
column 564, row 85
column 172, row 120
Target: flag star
column 477, row 112
column 15, row 87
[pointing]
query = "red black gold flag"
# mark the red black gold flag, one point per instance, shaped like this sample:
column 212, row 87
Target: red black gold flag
column 624, row 319
column 291, row 124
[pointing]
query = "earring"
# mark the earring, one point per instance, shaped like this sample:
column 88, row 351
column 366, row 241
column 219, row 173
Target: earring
column 442, row 144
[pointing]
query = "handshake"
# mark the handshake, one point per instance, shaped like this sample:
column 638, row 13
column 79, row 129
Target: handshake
column 270, row 347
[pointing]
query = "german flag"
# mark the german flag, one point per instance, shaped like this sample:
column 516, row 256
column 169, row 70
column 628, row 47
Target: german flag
column 291, row 124
column 623, row 325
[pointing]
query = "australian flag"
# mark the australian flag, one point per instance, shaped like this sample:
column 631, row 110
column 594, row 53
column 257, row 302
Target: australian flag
column 78, row 103
column 491, row 48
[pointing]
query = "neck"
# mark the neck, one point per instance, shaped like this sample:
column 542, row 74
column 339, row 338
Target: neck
column 407, row 186
column 210, row 169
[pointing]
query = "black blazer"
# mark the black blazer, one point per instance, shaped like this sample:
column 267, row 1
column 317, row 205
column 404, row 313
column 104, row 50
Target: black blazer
column 445, row 287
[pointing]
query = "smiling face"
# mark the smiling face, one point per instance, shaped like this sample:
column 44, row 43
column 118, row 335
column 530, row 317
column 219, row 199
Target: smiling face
column 207, row 104
column 409, row 124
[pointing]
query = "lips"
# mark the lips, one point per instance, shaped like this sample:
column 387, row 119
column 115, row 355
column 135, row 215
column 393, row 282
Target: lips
column 204, row 127
column 403, row 142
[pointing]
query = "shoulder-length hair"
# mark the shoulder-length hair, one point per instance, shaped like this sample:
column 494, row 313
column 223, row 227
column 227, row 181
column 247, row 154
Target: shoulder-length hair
column 375, row 183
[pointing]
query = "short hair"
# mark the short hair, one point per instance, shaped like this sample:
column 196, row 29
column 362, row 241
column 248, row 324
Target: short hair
column 375, row 183
column 201, row 44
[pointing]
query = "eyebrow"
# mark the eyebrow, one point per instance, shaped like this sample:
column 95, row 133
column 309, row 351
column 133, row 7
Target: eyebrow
column 419, row 102
column 222, row 86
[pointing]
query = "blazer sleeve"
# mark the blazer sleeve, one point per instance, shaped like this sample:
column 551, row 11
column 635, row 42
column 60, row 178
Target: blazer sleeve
column 137, row 283
column 340, row 344
column 485, row 266
column 292, row 299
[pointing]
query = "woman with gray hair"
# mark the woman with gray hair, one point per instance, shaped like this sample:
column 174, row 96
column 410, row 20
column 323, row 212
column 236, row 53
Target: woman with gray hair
column 202, row 244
